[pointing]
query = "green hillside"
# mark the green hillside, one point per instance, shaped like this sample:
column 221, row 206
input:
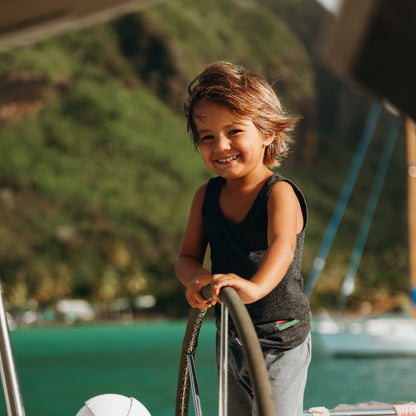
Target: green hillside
column 98, row 172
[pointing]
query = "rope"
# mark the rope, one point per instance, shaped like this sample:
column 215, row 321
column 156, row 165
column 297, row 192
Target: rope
column 348, row 285
column 189, row 344
column 319, row 411
column 408, row 409
column 343, row 198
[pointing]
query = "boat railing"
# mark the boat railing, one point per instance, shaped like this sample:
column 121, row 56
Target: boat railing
column 187, row 380
column 13, row 397
column 251, row 349
column 353, row 412
column 231, row 302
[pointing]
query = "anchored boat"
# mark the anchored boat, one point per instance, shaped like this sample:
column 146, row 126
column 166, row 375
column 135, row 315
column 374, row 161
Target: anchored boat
column 382, row 335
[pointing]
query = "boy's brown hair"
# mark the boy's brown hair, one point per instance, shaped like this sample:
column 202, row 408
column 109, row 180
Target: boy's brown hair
column 250, row 96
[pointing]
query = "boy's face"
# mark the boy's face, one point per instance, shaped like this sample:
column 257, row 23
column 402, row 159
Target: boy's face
column 230, row 146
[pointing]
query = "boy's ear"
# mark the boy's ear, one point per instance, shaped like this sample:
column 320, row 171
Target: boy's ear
column 268, row 139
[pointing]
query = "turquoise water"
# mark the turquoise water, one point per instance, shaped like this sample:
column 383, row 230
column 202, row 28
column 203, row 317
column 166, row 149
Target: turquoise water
column 59, row 368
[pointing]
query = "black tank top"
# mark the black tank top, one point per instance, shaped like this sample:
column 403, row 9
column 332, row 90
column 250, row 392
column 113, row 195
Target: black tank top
column 239, row 248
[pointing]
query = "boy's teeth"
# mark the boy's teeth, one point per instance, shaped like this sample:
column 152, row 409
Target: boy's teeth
column 228, row 159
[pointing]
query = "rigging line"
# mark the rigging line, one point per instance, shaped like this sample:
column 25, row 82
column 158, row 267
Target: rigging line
column 332, row 227
column 349, row 281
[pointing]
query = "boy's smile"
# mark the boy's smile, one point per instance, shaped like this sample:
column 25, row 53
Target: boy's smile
column 230, row 146
column 228, row 159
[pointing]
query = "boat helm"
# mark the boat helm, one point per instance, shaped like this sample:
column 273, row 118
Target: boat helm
column 113, row 405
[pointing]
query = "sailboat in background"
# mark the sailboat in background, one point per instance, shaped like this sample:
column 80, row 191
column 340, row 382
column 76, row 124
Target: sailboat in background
column 383, row 335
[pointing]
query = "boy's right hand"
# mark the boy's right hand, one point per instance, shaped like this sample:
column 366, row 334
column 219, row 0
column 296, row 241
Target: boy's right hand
column 194, row 295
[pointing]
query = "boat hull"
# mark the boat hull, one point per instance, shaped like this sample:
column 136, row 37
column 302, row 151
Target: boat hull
column 370, row 337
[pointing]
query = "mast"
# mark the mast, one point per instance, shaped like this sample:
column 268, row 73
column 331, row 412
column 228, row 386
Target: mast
column 411, row 185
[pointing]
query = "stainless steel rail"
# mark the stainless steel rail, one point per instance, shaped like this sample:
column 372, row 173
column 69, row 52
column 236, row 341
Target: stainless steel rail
column 223, row 376
column 10, row 382
column 358, row 412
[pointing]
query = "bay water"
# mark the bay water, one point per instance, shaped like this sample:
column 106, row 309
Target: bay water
column 59, row 368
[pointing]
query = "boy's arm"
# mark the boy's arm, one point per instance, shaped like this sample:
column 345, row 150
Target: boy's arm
column 188, row 266
column 285, row 221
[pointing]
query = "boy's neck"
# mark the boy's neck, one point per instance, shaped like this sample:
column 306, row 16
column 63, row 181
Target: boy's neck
column 237, row 196
column 248, row 184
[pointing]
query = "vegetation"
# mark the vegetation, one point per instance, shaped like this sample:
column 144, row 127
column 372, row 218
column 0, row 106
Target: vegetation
column 98, row 173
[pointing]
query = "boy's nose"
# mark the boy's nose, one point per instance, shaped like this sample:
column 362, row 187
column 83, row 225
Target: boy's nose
column 223, row 143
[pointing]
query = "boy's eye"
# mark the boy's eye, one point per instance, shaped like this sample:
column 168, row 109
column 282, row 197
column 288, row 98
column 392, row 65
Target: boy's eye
column 207, row 137
column 234, row 131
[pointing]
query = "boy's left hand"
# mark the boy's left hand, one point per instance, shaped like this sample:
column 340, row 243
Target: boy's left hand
column 248, row 291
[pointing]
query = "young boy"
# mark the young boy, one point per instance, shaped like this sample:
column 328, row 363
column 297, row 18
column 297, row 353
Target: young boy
column 254, row 221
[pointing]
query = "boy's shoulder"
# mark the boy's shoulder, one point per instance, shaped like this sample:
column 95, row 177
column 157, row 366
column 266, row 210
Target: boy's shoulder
column 200, row 192
column 210, row 185
column 213, row 183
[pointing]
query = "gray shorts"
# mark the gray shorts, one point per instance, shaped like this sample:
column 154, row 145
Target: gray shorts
column 287, row 372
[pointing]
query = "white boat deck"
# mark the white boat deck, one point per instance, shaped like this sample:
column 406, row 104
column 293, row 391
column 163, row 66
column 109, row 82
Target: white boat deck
column 366, row 409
